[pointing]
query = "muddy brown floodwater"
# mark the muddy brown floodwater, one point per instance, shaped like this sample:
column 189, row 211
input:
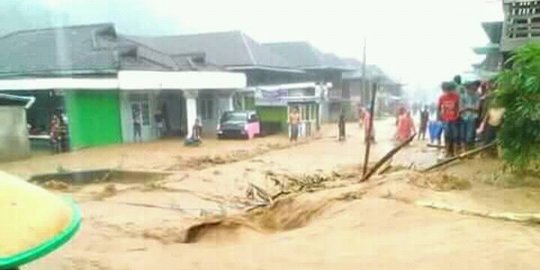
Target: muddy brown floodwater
column 206, row 215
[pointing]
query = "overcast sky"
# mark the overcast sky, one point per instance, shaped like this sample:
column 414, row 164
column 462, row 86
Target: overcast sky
column 419, row 42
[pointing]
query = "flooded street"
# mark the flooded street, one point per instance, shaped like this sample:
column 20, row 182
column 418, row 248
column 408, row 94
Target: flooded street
column 210, row 216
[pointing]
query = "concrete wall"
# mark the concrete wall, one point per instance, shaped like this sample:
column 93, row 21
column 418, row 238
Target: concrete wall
column 14, row 143
column 140, row 98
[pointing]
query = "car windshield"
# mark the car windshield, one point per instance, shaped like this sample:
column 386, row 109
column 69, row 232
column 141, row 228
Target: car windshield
column 233, row 117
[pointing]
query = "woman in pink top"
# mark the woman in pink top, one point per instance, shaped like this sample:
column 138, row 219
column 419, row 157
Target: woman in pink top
column 405, row 127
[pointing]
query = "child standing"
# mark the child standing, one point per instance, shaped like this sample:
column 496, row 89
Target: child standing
column 448, row 108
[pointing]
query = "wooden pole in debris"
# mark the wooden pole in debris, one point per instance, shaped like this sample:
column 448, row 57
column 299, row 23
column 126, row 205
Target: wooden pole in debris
column 370, row 129
column 386, row 157
column 364, row 71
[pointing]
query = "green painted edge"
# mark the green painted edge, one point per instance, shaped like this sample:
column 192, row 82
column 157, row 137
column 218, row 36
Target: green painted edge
column 48, row 246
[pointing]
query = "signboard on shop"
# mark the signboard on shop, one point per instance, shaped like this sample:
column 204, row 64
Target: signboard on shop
column 271, row 97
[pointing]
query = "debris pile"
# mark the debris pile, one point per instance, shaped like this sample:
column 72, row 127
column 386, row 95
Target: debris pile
column 199, row 163
column 108, row 190
column 440, row 182
column 294, row 183
column 56, row 185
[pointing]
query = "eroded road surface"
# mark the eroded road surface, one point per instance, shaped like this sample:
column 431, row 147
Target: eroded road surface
column 210, row 216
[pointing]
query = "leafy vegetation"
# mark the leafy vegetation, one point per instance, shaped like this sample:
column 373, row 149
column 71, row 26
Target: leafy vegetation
column 519, row 92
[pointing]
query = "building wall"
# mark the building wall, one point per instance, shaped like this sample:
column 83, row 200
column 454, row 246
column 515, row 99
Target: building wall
column 14, row 143
column 94, row 117
column 273, row 118
column 211, row 104
column 145, row 100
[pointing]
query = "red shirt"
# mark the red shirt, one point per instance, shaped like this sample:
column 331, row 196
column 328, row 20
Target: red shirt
column 449, row 106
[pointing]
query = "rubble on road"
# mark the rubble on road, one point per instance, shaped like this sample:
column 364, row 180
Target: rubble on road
column 440, row 182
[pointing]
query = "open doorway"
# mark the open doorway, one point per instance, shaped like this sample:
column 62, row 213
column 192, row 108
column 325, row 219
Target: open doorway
column 172, row 105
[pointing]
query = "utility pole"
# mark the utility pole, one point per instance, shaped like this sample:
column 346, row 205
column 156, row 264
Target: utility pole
column 370, row 129
column 364, row 73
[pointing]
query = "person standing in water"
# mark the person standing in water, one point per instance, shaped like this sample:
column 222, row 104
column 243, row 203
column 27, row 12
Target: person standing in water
column 294, row 122
column 424, row 118
column 341, row 127
column 367, row 125
column 137, row 128
column 405, row 127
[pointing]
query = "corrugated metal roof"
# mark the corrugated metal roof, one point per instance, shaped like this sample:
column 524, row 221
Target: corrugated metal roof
column 57, row 49
column 304, row 55
column 83, row 49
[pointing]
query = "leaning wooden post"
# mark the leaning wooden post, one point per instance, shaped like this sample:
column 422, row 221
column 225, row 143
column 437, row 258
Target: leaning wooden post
column 386, row 157
column 370, row 128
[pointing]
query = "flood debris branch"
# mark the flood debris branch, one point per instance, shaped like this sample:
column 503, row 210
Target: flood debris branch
column 386, row 157
column 459, row 157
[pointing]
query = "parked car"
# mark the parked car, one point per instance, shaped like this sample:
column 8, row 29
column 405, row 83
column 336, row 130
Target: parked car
column 239, row 124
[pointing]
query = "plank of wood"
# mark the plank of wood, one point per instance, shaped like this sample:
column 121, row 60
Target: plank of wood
column 459, row 157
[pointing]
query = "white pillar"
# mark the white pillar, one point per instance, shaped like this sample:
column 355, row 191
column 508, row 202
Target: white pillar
column 191, row 110
column 231, row 102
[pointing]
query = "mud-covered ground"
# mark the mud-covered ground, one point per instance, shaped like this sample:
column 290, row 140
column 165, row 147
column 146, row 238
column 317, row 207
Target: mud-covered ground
column 267, row 204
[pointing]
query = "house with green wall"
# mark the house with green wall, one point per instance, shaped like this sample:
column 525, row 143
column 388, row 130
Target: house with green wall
column 274, row 102
column 104, row 82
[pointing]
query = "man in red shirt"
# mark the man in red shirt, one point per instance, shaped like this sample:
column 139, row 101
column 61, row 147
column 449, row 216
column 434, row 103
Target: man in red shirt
column 448, row 110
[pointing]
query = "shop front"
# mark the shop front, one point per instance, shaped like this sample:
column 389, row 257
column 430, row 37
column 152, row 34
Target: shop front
column 275, row 102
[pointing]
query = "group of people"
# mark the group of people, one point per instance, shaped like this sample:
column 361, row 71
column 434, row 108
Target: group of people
column 467, row 112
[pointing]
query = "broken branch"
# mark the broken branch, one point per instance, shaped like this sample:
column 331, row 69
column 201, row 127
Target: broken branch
column 386, row 157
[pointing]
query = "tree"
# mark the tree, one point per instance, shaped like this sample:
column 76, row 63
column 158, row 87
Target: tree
column 519, row 92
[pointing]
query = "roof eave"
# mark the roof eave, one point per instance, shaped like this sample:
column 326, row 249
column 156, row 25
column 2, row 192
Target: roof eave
column 59, row 73
column 342, row 69
column 257, row 67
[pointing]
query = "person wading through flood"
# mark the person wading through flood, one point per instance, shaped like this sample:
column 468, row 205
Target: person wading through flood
column 55, row 133
column 341, row 126
column 424, row 118
column 367, row 122
column 449, row 113
column 137, row 129
column 294, row 122
column 405, row 127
